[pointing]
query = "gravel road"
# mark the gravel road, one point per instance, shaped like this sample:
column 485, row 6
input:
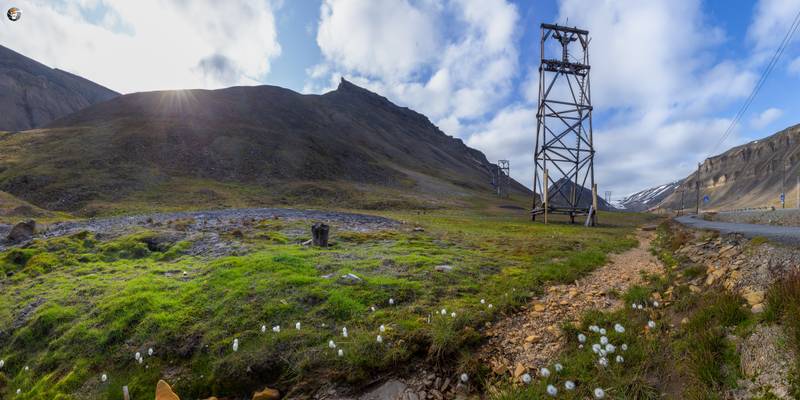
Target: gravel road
column 212, row 220
column 781, row 234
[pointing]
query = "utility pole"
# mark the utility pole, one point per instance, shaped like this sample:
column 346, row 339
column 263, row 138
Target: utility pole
column 564, row 144
column 681, row 209
column 697, row 190
column 783, row 184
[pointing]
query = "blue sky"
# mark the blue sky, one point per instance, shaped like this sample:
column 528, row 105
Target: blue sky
column 667, row 76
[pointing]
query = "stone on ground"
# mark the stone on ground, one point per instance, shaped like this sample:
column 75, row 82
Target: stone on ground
column 164, row 392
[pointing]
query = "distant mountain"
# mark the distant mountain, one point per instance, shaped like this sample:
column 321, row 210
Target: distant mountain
column 244, row 146
column 750, row 175
column 32, row 94
column 648, row 198
column 584, row 195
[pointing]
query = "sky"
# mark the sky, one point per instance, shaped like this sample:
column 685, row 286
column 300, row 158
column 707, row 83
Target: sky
column 667, row 76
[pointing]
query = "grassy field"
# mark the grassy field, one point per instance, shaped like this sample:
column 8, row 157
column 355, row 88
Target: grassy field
column 75, row 308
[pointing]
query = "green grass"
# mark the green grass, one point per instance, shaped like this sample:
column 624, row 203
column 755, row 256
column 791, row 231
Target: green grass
column 94, row 303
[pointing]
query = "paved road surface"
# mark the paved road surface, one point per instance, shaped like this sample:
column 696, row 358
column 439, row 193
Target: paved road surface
column 782, row 234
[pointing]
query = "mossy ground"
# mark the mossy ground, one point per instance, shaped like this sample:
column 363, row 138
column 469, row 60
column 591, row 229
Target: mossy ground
column 74, row 308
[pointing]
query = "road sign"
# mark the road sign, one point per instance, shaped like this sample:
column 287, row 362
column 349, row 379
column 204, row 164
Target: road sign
column 706, row 199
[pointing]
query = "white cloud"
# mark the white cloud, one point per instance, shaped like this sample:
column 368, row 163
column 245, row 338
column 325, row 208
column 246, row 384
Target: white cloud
column 770, row 24
column 794, row 66
column 766, row 117
column 509, row 135
column 451, row 60
column 350, row 29
column 150, row 44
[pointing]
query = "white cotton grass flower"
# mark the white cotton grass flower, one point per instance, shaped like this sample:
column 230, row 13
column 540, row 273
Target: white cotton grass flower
column 2, row 363
column 372, row 308
column 263, row 328
column 602, row 352
column 331, row 344
column 558, row 367
column 443, row 312
column 594, row 328
column 340, row 353
column 483, row 301
column 581, row 338
column 382, row 328
column 150, row 352
column 141, row 360
column 344, row 331
column 580, row 346
column 235, row 345
column 602, row 331
column 624, row 347
column 490, row 306
column 599, row 393
column 391, row 301
column 526, row 378
column 19, row 391
column 619, row 328
column 464, row 378
column 651, row 324
column 603, row 340
column 639, row 306
column 596, row 348
column 379, row 339
column 544, row 372
column 551, row 390
column 297, row 326
column 103, row 378
column 276, row 329
column 569, row 385
column 610, row 348
column 603, row 361
column 633, row 306
column 655, row 304
column 620, row 360
column 453, row 314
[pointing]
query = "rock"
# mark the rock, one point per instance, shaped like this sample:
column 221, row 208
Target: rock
column 419, row 229
column 519, row 370
column 684, row 321
column 757, row 308
column 391, row 390
column 22, row 232
column 443, row 268
column 531, row 338
column 164, row 392
column 539, row 307
column 267, row 394
column 412, row 396
column 350, row 279
column 753, row 297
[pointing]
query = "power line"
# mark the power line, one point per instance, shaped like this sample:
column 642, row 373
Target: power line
column 764, row 75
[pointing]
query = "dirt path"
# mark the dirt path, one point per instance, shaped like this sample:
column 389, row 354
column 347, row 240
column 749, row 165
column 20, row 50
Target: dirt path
column 530, row 339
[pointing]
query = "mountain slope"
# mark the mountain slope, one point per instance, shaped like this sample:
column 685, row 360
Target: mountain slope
column 750, row 175
column 32, row 94
column 584, row 195
column 243, row 145
column 648, row 198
